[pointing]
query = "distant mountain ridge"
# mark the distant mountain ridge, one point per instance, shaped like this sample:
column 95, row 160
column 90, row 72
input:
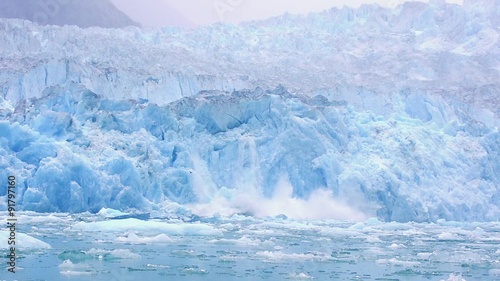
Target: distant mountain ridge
column 83, row 13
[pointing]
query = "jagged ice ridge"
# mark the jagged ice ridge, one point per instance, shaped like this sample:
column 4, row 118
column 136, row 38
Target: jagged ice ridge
column 387, row 113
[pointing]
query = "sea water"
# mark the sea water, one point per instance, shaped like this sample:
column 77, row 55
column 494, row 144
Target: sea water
column 126, row 248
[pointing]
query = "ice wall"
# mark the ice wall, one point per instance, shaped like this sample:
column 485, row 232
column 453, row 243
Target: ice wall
column 388, row 113
column 416, row 45
column 74, row 150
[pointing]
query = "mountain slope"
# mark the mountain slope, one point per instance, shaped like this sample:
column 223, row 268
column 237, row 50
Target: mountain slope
column 83, row 13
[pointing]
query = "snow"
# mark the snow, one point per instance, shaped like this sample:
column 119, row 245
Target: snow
column 370, row 122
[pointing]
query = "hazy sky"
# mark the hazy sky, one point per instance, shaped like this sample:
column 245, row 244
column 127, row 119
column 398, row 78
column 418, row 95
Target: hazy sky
column 201, row 12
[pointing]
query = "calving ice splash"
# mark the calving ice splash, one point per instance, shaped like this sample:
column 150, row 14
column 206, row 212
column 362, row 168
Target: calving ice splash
column 281, row 203
column 352, row 144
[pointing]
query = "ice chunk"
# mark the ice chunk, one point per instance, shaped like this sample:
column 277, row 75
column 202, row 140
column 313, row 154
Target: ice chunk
column 193, row 270
column 66, row 264
column 78, row 273
column 300, row 276
column 396, row 262
column 23, row 242
column 131, row 224
column 454, row 277
column 110, row 213
column 76, row 256
column 135, row 239
column 278, row 256
column 243, row 241
column 494, row 272
column 448, row 236
column 113, row 254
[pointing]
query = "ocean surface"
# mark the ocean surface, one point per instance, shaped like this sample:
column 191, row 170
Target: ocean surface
column 137, row 247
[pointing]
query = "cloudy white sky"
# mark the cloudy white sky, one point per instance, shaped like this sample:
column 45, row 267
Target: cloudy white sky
column 190, row 13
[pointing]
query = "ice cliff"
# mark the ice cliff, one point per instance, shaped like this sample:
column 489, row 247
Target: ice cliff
column 344, row 114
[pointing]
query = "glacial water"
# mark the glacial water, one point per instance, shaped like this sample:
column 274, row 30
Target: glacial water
column 127, row 248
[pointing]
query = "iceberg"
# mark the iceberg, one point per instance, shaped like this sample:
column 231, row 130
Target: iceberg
column 24, row 241
column 140, row 225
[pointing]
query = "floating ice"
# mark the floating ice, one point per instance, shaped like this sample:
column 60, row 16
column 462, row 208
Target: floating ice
column 110, row 213
column 135, row 239
column 113, row 254
column 66, row 264
column 317, row 248
column 494, row 272
column 78, row 273
column 300, row 276
column 396, row 246
column 194, row 270
column 136, row 225
column 275, row 256
column 448, row 236
column 396, row 262
column 76, row 256
column 424, row 256
column 454, row 277
column 23, row 241
column 243, row 241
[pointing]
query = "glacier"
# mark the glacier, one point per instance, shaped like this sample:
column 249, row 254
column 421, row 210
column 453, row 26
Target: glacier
column 367, row 112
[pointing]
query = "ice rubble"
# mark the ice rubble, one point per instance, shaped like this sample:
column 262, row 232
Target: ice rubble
column 389, row 113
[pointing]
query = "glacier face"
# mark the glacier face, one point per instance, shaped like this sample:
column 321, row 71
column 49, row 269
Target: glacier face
column 77, row 151
column 387, row 113
column 417, row 45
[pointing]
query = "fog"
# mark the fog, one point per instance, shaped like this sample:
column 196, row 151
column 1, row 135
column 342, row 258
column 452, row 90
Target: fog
column 191, row 13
